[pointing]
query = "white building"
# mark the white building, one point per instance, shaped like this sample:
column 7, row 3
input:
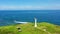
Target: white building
column 18, row 22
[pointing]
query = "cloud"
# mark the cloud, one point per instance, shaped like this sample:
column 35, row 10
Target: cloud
column 14, row 7
column 29, row 7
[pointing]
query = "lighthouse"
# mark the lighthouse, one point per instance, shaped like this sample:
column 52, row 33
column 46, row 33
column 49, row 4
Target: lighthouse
column 35, row 22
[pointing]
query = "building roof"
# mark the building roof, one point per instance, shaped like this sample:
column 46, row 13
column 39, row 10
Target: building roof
column 20, row 22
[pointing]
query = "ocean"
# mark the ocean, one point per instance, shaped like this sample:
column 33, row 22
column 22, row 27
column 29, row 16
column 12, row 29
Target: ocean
column 7, row 17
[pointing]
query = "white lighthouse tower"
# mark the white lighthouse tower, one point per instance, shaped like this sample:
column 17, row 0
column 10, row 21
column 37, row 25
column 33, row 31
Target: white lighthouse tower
column 35, row 22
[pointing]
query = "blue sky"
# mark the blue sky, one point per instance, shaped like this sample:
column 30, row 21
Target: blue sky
column 29, row 4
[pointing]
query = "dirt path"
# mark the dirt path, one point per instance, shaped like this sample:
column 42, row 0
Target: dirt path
column 43, row 30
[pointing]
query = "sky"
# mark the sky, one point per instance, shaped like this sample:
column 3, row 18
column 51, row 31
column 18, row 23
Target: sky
column 29, row 4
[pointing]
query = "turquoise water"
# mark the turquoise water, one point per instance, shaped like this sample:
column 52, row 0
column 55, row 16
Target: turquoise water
column 8, row 16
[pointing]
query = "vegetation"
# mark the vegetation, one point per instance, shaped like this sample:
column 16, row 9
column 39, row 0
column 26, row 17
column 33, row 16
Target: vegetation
column 30, row 29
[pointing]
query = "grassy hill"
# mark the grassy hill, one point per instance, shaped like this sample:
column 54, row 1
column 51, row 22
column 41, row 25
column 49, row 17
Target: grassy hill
column 30, row 29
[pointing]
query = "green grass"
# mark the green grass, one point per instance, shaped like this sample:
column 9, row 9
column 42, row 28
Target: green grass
column 30, row 29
